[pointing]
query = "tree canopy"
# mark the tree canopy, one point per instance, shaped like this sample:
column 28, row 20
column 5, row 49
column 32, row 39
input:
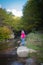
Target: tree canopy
column 33, row 14
column 9, row 19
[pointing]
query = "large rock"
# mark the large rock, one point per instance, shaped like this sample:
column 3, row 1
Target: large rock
column 22, row 51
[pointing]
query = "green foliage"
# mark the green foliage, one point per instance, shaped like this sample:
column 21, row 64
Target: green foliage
column 10, row 20
column 33, row 14
column 35, row 41
column 2, row 15
column 4, row 33
column 16, row 24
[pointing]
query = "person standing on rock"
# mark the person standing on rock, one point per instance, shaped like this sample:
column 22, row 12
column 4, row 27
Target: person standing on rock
column 23, row 38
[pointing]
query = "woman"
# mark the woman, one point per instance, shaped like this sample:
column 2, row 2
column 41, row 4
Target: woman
column 23, row 38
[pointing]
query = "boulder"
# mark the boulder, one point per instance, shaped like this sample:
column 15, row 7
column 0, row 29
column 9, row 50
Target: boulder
column 22, row 51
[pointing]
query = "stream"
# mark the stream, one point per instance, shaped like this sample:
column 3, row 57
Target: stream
column 11, row 58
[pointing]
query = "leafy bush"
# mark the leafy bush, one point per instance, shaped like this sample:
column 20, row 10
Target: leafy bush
column 35, row 41
column 4, row 33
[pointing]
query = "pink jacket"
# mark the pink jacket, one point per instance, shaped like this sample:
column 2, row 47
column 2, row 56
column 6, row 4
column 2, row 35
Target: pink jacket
column 23, row 35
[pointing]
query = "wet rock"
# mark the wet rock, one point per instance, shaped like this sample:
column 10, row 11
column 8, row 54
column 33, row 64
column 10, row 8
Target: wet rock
column 15, row 63
column 31, row 61
column 22, row 51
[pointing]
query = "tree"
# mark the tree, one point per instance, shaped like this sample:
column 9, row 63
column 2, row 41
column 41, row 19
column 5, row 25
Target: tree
column 7, row 18
column 33, row 14
column 2, row 15
column 33, row 18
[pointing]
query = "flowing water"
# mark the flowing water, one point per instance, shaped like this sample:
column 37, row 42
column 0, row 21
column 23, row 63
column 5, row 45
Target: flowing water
column 9, row 60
